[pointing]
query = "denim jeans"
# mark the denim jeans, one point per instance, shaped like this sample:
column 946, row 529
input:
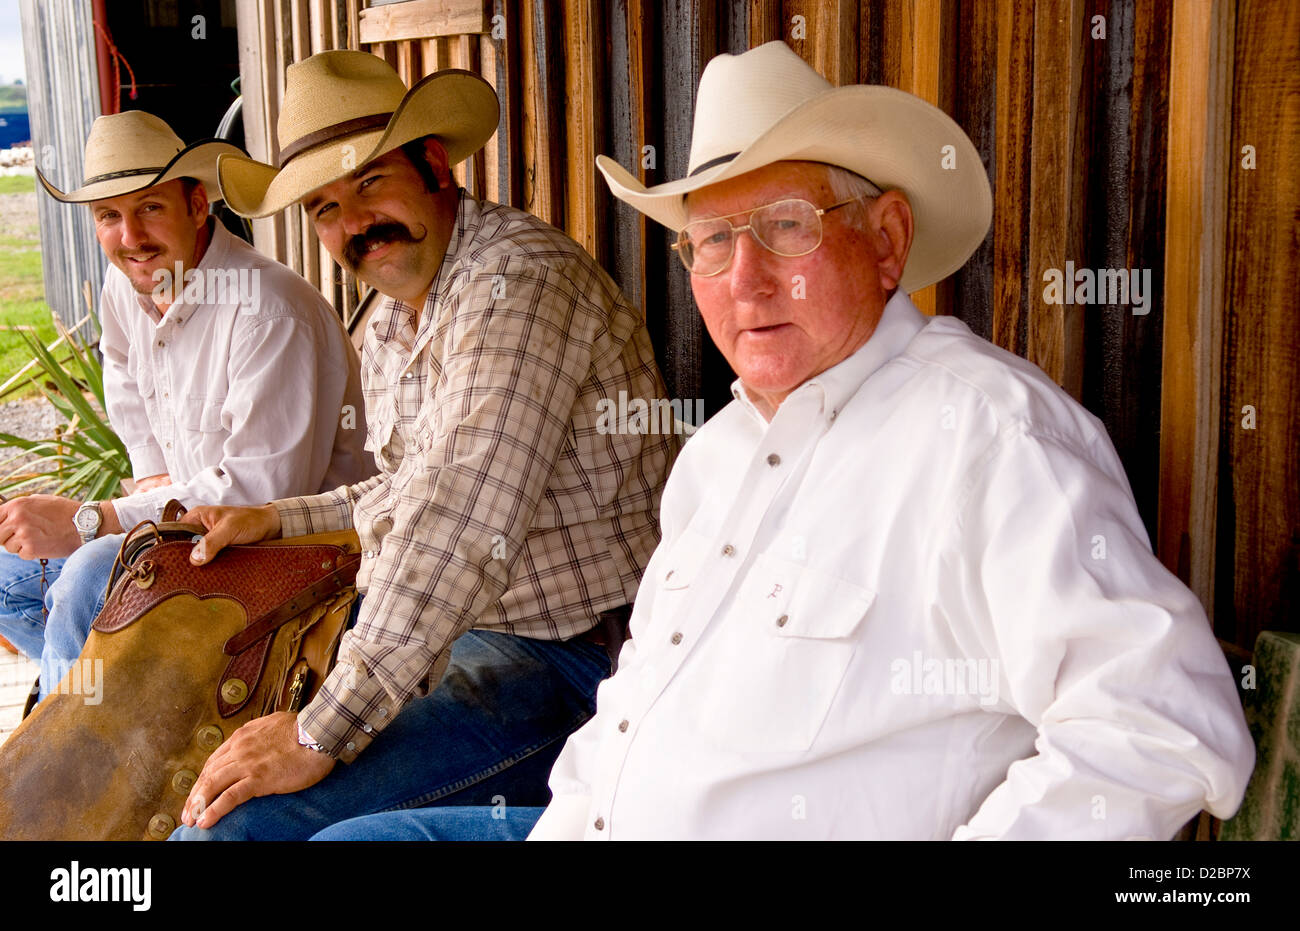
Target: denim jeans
column 75, row 591
column 22, row 601
column 487, row 735
column 463, row 823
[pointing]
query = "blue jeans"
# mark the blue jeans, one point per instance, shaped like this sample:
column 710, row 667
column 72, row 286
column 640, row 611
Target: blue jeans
column 22, row 600
column 487, row 735
column 75, row 591
column 464, row 823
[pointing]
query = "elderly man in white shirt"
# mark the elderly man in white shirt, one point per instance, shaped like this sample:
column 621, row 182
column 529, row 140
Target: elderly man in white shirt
column 227, row 377
column 903, row 590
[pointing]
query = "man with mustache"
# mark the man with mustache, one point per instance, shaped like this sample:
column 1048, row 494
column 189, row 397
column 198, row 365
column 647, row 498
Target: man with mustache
column 506, row 535
column 227, row 377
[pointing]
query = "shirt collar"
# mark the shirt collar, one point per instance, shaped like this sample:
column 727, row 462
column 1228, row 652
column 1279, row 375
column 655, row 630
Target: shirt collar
column 900, row 321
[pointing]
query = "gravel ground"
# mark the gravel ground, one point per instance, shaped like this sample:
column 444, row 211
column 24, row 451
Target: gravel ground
column 18, row 216
column 30, row 418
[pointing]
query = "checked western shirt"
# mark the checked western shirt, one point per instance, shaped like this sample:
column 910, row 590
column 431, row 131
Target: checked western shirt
column 501, row 502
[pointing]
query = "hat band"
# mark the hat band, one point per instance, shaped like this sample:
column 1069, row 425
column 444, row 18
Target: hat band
column 330, row 133
column 121, row 174
column 713, row 161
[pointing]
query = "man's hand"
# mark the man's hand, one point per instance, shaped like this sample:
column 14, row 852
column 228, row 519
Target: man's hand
column 261, row 758
column 151, row 482
column 226, row 525
column 39, row 526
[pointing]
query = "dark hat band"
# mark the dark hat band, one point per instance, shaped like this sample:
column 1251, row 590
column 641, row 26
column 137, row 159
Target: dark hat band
column 122, row 174
column 713, row 161
column 330, row 133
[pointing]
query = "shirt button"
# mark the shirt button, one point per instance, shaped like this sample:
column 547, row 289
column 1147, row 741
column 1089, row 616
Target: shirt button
column 599, row 824
column 367, row 728
column 351, row 745
column 622, row 726
column 169, row 445
column 780, row 621
column 166, row 395
column 676, row 638
column 774, row 460
column 833, row 415
column 409, row 375
column 383, row 712
column 728, row 550
column 161, row 343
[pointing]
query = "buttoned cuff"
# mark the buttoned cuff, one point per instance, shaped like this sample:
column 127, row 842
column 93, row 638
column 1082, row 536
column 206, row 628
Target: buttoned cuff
column 142, row 506
column 147, row 459
column 321, row 513
column 348, row 713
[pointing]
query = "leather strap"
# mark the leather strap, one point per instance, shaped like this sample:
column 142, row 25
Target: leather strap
column 172, row 511
column 339, row 579
column 329, row 133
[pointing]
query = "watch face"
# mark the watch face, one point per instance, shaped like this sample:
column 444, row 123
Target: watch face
column 86, row 518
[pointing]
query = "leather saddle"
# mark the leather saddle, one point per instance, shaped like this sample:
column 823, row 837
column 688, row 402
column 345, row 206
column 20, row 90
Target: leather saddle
column 179, row 658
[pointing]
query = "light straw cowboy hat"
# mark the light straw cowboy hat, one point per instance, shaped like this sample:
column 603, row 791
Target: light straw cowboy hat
column 342, row 109
column 767, row 105
column 130, row 151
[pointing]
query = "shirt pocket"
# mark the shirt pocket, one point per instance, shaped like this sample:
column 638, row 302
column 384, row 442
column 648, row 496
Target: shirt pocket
column 781, row 656
column 201, row 415
column 673, row 571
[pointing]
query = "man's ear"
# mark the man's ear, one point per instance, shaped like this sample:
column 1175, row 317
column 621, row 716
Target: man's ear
column 437, row 157
column 891, row 236
column 199, row 204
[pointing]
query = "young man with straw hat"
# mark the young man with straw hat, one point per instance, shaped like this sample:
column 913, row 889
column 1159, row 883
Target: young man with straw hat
column 226, row 376
column 506, row 534
column 903, row 590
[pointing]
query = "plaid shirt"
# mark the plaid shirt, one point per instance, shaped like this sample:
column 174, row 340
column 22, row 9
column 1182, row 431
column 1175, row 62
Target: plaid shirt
column 502, row 502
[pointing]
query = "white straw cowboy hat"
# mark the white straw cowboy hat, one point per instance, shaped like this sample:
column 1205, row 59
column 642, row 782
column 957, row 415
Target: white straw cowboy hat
column 342, row 109
column 128, row 152
column 767, row 106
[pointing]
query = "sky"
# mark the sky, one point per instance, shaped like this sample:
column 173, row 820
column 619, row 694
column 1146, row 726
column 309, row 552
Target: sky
column 11, row 44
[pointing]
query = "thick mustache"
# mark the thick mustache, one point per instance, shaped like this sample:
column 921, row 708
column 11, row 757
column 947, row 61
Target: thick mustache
column 356, row 248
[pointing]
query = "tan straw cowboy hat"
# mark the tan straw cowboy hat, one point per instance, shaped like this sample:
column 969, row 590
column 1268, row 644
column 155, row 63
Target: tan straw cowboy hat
column 128, row 152
column 767, row 106
column 342, row 109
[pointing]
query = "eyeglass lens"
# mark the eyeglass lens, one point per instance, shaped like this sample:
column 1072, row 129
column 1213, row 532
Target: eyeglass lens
column 787, row 227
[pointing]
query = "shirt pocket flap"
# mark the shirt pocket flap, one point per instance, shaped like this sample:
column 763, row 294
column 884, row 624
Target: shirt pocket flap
column 202, row 414
column 684, row 560
column 799, row 601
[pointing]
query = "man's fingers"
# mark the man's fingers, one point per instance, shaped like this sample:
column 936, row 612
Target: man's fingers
column 225, row 803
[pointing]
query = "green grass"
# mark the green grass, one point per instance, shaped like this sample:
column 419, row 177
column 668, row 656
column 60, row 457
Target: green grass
column 22, row 304
column 17, row 184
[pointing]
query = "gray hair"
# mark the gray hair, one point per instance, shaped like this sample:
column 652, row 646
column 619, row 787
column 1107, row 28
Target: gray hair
column 846, row 185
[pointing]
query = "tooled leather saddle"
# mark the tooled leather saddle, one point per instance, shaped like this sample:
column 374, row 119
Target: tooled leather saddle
column 179, row 657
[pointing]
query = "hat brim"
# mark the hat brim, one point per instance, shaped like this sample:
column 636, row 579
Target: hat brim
column 458, row 107
column 198, row 161
column 895, row 140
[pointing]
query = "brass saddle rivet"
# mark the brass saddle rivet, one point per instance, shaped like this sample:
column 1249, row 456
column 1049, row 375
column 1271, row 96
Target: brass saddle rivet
column 234, row 691
column 326, row 564
column 184, row 780
column 210, row 737
column 161, row 826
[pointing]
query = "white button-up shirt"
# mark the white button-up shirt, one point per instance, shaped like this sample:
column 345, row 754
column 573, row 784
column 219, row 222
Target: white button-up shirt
column 239, row 401
column 919, row 603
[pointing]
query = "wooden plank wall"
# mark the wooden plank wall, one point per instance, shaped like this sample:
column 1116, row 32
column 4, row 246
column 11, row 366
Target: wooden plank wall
column 1085, row 113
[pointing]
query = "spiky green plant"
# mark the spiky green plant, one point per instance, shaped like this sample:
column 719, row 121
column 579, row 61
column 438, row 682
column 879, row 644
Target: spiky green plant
column 84, row 459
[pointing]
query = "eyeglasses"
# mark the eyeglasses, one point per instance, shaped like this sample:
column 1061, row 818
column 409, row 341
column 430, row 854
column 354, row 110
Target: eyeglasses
column 788, row 227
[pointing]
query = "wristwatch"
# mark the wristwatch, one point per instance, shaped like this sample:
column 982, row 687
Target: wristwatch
column 88, row 519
